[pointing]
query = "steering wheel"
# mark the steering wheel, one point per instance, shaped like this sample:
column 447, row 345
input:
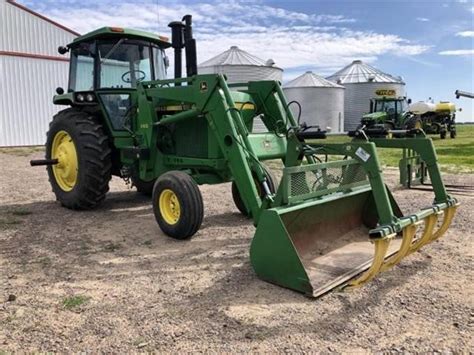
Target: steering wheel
column 129, row 80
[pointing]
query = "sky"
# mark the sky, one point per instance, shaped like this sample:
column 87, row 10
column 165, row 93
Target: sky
column 430, row 44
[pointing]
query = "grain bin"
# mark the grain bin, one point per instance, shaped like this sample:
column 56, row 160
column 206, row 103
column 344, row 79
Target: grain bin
column 364, row 82
column 322, row 101
column 240, row 66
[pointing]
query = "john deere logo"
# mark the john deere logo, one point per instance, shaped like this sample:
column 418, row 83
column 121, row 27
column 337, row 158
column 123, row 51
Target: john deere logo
column 385, row 92
column 203, row 86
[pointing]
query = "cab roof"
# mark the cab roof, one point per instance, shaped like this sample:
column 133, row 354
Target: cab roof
column 117, row 32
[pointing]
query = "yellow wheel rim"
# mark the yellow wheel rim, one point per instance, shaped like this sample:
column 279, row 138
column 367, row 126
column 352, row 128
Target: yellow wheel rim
column 65, row 172
column 170, row 207
column 418, row 124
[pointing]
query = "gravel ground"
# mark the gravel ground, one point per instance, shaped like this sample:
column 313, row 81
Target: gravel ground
column 109, row 280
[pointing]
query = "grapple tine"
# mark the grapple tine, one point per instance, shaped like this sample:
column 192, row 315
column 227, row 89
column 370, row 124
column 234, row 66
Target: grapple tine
column 381, row 248
column 407, row 240
column 430, row 223
column 448, row 218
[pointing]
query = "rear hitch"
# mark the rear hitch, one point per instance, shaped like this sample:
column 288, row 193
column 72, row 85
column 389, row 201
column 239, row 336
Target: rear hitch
column 40, row 162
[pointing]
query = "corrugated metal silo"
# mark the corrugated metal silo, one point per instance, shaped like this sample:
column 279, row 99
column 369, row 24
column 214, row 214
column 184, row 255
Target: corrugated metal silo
column 364, row 82
column 322, row 101
column 240, row 67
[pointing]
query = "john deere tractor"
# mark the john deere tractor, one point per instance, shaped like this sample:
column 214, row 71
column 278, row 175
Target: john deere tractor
column 391, row 113
column 327, row 223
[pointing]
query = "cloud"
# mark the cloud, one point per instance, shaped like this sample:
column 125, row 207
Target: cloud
column 458, row 52
column 465, row 34
column 293, row 39
column 422, row 19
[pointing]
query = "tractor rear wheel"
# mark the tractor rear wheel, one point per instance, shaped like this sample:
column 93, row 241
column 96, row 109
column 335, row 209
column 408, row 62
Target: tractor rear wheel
column 239, row 203
column 177, row 205
column 143, row 187
column 81, row 178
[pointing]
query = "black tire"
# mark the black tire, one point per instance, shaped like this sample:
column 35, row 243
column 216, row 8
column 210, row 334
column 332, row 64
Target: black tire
column 93, row 159
column 442, row 134
column 190, row 203
column 143, row 187
column 239, row 203
column 452, row 134
column 414, row 122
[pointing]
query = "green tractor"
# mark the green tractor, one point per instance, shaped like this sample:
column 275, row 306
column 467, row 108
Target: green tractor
column 390, row 113
column 327, row 221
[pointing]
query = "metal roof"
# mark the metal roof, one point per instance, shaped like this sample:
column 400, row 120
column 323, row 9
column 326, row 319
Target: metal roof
column 309, row 79
column 236, row 56
column 359, row 72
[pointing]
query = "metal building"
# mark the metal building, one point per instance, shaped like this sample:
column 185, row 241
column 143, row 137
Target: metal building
column 322, row 101
column 240, row 67
column 30, row 71
column 364, row 82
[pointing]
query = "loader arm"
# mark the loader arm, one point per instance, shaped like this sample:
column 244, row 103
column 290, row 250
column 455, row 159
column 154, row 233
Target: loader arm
column 327, row 222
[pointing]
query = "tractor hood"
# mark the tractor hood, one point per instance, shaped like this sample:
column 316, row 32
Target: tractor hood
column 375, row 116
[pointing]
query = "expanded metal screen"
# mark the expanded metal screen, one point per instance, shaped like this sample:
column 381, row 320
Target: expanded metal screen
column 315, row 180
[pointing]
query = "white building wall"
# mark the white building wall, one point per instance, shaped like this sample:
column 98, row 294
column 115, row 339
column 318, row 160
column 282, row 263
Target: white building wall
column 26, row 102
column 27, row 85
column 24, row 32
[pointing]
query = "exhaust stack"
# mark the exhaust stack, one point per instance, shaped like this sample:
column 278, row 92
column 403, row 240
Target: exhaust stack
column 182, row 37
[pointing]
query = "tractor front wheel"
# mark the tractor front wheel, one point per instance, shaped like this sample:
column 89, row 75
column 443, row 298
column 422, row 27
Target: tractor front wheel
column 239, row 203
column 80, row 179
column 177, row 205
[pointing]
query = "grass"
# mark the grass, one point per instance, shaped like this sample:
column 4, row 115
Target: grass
column 75, row 301
column 454, row 155
column 21, row 212
column 111, row 247
column 8, row 222
column 22, row 151
column 44, row 261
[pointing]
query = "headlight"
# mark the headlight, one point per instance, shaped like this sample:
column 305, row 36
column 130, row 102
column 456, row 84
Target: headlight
column 90, row 97
column 80, row 97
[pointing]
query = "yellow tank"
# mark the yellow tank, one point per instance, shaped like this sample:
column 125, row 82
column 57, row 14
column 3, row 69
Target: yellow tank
column 445, row 106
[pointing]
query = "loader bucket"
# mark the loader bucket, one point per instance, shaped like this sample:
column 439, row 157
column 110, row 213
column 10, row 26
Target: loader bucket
column 322, row 243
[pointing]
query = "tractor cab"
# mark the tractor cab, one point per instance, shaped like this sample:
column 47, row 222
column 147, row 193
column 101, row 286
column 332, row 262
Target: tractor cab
column 106, row 66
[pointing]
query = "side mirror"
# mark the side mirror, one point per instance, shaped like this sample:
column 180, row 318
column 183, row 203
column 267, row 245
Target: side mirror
column 166, row 60
column 63, row 50
column 409, row 101
column 59, row 90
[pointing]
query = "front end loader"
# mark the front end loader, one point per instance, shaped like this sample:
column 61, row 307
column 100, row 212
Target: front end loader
column 326, row 224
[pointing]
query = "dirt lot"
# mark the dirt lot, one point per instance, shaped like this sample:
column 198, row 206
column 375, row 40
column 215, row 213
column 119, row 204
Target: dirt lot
column 109, row 280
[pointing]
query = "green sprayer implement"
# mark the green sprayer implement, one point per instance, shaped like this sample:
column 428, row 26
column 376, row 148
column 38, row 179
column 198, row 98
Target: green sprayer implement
column 326, row 224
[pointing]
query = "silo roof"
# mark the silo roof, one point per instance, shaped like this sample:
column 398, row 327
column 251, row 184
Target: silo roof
column 309, row 79
column 236, row 56
column 360, row 72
